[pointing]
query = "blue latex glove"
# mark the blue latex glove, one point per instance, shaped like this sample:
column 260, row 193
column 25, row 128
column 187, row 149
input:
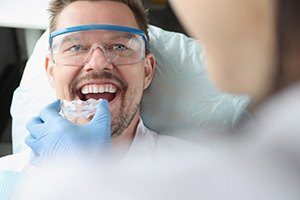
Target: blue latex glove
column 53, row 137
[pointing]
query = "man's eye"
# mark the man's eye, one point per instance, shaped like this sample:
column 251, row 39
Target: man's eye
column 76, row 48
column 119, row 47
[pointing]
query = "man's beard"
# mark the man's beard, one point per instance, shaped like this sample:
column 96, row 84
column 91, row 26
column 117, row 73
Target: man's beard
column 123, row 118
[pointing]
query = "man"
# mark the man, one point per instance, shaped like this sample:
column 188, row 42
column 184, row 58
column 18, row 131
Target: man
column 111, row 62
column 96, row 67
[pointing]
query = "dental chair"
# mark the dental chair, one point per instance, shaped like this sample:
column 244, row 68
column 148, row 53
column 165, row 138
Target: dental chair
column 180, row 96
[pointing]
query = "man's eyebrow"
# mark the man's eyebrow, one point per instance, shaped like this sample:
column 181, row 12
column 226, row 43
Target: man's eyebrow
column 68, row 38
column 122, row 35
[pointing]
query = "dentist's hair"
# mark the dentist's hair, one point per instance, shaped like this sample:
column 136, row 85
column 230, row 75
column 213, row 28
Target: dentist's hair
column 288, row 41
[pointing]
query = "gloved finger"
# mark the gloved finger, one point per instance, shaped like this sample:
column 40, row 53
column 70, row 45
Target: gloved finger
column 33, row 126
column 31, row 142
column 51, row 111
column 101, row 122
column 34, row 144
column 102, row 114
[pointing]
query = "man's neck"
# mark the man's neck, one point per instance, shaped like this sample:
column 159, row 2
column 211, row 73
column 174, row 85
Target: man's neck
column 121, row 144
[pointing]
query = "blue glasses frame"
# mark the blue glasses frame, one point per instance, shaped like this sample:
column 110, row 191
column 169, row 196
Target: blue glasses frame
column 97, row 27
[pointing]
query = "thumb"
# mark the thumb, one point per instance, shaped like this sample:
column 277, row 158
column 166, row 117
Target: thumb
column 102, row 115
column 101, row 122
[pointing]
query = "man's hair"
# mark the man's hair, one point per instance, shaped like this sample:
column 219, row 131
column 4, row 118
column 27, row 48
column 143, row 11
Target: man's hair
column 288, row 41
column 136, row 6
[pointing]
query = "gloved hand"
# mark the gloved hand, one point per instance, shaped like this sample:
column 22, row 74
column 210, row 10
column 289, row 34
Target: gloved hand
column 54, row 138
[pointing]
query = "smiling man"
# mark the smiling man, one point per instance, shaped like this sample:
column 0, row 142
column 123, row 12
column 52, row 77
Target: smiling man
column 99, row 50
column 102, row 55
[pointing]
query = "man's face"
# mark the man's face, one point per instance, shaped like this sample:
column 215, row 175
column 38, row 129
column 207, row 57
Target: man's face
column 125, row 83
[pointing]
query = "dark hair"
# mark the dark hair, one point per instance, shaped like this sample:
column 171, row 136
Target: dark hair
column 136, row 6
column 288, row 40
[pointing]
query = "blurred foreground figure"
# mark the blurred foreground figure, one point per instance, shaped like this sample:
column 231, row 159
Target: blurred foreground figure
column 208, row 178
column 253, row 48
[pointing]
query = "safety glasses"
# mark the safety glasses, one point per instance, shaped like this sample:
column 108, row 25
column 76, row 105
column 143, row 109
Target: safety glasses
column 118, row 45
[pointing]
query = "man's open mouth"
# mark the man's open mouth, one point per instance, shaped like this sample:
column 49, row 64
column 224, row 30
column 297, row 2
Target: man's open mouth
column 96, row 91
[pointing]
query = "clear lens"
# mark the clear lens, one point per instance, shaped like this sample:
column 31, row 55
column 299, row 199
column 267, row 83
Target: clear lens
column 77, row 48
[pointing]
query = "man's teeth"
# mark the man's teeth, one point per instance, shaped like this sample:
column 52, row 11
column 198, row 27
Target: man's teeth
column 88, row 89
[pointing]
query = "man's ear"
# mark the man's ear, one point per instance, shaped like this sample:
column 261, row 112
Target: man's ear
column 49, row 70
column 150, row 66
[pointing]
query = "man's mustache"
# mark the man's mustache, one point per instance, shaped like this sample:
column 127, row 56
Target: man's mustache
column 96, row 76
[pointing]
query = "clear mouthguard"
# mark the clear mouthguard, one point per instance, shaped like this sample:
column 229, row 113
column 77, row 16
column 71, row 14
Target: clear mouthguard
column 77, row 109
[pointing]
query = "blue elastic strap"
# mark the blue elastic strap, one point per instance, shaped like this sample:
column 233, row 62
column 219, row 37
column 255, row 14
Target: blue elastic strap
column 98, row 27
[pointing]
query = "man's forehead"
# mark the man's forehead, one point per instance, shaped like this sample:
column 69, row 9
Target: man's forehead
column 100, row 12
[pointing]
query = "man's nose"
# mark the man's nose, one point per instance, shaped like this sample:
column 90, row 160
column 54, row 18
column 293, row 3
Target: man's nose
column 97, row 58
